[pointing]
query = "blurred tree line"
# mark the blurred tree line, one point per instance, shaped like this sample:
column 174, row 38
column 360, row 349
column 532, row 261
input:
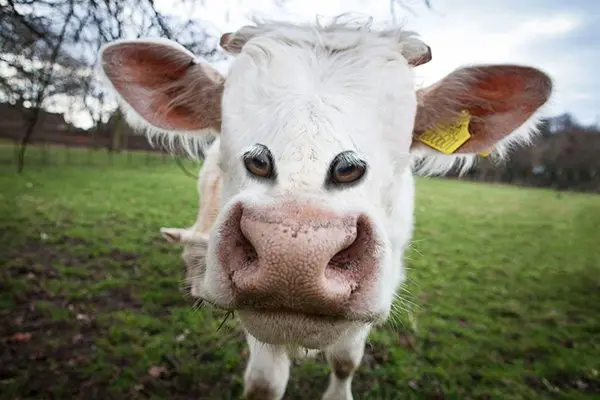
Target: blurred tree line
column 565, row 156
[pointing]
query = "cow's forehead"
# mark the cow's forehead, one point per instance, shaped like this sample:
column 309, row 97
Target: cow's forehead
column 288, row 95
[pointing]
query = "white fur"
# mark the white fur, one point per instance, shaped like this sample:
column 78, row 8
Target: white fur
column 350, row 349
column 307, row 106
column 268, row 369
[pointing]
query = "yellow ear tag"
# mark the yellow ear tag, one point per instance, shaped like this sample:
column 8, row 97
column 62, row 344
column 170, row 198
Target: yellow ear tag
column 448, row 138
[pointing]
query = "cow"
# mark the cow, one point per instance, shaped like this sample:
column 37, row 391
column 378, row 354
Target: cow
column 307, row 190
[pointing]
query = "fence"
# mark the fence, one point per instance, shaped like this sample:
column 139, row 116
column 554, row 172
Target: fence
column 40, row 154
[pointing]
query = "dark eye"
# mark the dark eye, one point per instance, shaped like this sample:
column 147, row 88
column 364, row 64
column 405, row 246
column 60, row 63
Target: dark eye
column 347, row 168
column 258, row 162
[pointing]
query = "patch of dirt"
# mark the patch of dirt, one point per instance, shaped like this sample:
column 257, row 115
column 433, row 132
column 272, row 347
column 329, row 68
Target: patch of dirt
column 374, row 355
column 47, row 340
column 41, row 352
column 39, row 258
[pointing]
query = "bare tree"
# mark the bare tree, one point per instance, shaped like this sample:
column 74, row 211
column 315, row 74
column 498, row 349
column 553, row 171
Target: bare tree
column 33, row 62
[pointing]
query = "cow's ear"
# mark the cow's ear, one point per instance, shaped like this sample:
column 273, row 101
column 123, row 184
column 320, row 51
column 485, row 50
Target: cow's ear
column 162, row 87
column 477, row 109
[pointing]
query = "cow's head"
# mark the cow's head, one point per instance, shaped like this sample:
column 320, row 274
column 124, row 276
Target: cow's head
column 319, row 129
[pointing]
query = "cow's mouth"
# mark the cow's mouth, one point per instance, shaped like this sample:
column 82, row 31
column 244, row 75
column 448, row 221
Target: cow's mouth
column 284, row 312
column 290, row 327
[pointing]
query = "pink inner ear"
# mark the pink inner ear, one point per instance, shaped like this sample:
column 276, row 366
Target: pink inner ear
column 499, row 98
column 163, row 85
column 503, row 100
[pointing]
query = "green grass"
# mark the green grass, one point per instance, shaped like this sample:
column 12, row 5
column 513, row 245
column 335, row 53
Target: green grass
column 503, row 297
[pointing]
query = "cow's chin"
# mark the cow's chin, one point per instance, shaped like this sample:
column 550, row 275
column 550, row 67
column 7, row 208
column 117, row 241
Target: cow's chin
column 295, row 329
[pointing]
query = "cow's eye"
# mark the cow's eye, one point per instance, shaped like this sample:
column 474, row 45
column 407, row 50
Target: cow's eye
column 258, row 162
column 346, row 168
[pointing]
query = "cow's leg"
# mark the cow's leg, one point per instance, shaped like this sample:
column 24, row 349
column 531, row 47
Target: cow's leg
column 267, row 372
column 344, row 357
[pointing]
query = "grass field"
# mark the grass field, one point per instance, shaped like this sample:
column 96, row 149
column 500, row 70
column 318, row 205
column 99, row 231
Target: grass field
column 503, row 298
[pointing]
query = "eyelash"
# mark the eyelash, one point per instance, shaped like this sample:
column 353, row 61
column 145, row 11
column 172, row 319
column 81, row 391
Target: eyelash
column 352, row 159
column 254, row 152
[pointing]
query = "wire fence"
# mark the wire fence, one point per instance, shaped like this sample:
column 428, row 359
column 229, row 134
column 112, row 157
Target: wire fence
column 42, row 154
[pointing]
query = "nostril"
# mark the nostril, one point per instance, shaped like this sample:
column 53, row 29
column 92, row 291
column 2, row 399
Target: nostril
column 237, row 245
column 351, row 255
column 247, row 249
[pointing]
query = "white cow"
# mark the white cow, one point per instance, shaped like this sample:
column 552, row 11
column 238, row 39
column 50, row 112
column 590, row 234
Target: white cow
column 307, row 193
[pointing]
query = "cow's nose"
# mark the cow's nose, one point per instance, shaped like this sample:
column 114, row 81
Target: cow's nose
column 298, row 258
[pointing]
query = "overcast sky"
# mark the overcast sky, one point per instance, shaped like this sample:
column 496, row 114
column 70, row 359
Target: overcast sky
column 562, row 37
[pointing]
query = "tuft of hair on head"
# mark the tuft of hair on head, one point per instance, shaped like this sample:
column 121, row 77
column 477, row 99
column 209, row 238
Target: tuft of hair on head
column 342, row 32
